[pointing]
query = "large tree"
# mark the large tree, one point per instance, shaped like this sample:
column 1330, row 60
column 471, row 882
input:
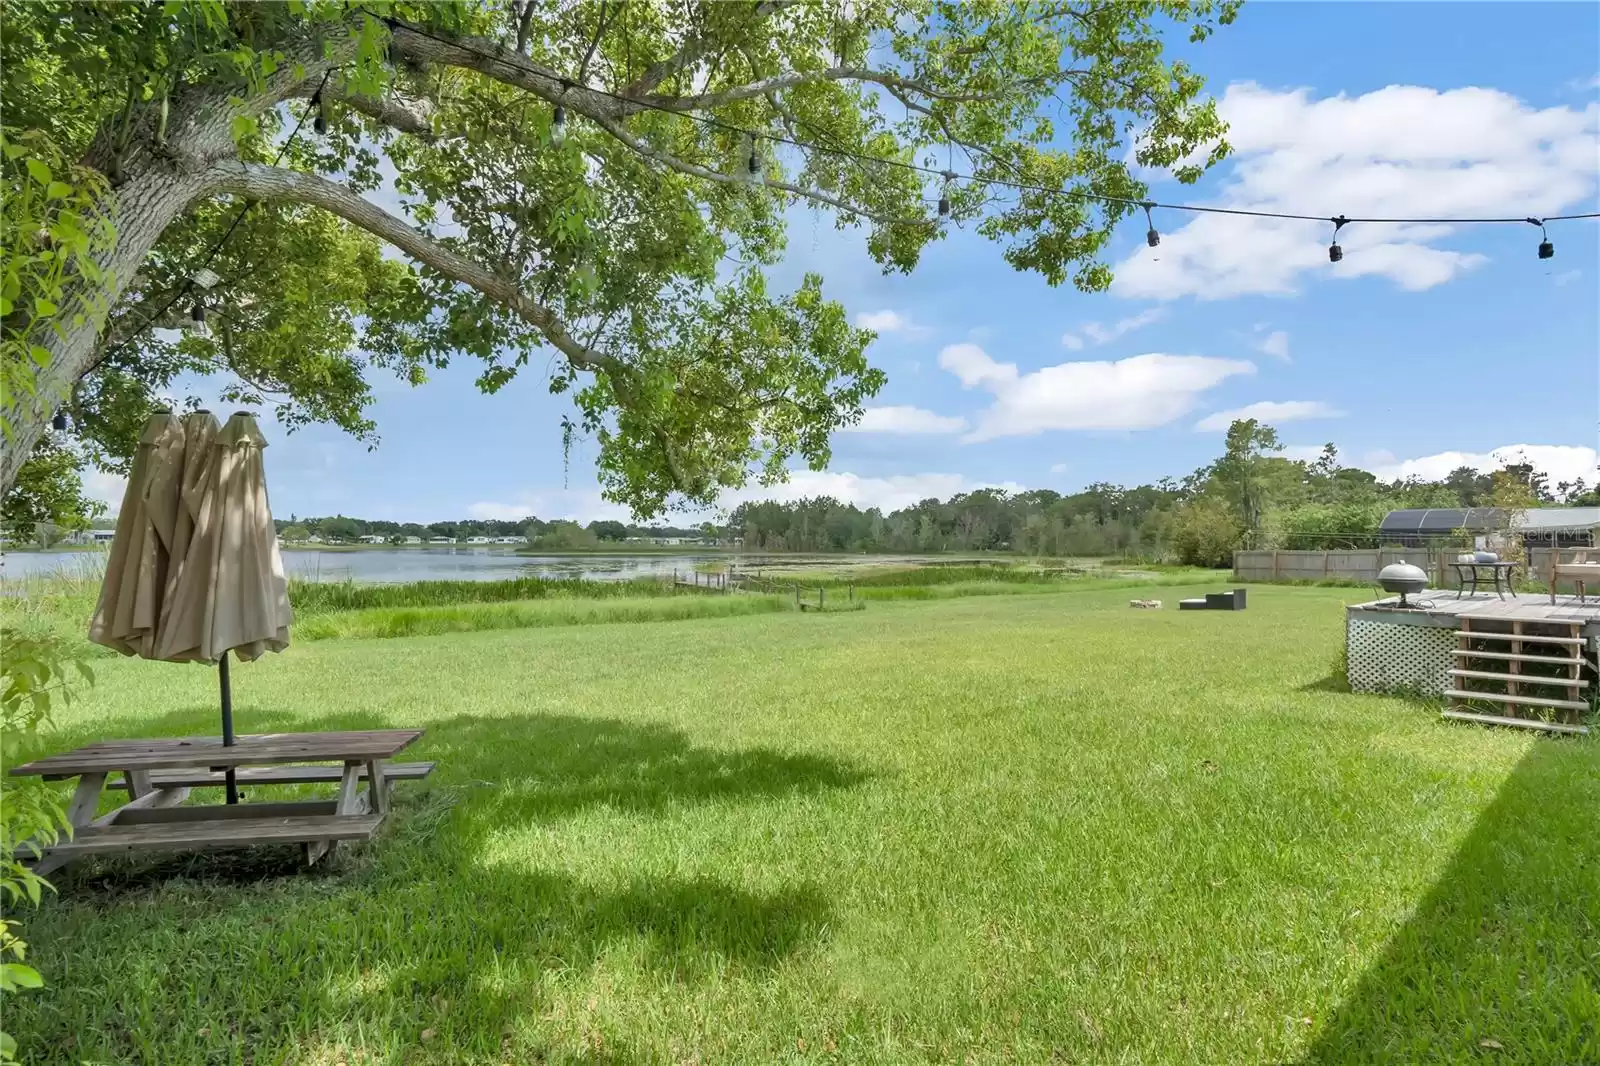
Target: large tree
column 620, row 251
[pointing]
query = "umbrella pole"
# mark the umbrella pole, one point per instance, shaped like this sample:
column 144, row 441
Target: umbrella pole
column 227, row 724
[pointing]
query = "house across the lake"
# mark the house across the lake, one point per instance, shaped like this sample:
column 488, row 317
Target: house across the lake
column 441, row 540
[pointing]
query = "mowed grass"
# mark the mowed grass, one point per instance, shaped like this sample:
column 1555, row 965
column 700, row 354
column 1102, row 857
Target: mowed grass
column 993, row 830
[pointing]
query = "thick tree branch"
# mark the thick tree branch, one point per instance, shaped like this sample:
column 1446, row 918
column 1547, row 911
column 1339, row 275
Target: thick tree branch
column 896, row 83
column 694, row 170
column 414, row 118
column 505, row 66
column 276, row 183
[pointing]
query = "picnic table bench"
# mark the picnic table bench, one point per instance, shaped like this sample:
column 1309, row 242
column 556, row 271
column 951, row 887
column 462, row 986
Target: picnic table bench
column 158, row 775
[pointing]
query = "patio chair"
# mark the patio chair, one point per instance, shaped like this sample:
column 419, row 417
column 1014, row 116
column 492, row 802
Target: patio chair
column 1579, row 571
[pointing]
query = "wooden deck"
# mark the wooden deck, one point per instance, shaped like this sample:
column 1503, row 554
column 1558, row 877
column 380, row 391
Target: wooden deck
column 1444, row 610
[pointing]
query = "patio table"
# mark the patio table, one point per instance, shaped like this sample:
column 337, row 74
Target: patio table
column 158, row 775
column 1467, row 573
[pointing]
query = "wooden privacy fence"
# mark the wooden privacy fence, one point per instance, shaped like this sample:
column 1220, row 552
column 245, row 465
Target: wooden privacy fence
column 1363, row 564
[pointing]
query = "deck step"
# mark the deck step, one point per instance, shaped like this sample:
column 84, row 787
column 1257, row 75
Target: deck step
column 1525, row 679
column 1516, row 657
column 1526, row 638
column 1522, row 723
column 217, row 833
column 1521, row 701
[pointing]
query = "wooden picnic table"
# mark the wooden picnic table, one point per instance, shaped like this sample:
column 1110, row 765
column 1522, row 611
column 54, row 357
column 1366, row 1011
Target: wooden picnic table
column 158, row 775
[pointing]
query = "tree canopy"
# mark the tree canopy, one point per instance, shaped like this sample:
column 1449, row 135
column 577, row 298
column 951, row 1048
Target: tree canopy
column 620, row 251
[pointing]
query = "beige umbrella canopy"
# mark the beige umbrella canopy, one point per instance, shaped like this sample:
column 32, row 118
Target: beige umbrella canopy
column 229, row 590
column 129, row 610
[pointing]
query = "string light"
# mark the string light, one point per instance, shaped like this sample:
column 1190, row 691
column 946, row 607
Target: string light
column 1546, row 249
column 944, row 194
column 558, row 126
column 59, row 422
column 753, row 164
column 197, row 320
column 320, row 123
column 1151, row 237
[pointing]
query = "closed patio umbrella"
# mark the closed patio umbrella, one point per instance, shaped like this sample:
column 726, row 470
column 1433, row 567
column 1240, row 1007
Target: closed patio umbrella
column 220, row 585
column 229, row 590
column 129, row 610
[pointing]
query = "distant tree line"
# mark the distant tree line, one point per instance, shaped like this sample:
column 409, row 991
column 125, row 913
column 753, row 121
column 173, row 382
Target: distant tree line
column 1250, row 496
column 556, row 533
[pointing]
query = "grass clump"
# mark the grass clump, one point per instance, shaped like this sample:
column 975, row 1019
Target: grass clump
column 526, row 614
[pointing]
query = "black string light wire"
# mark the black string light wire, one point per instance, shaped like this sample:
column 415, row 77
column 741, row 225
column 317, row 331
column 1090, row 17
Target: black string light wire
column 197, row 314
column 1152, row 237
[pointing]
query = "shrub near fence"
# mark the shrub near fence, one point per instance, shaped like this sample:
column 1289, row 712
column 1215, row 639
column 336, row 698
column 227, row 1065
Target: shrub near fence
column 1363, row 564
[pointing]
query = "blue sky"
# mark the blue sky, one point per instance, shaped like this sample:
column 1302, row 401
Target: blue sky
column 1423, row 343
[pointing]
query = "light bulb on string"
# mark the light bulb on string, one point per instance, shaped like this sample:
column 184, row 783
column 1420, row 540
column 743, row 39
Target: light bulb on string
column 558, row 126
column 320, row 123
column 1336, row 253
column 197, row 320
column 1546, row 249
column 1151, row 237
column 944, row 193
column 59, row 423
column 753, row 163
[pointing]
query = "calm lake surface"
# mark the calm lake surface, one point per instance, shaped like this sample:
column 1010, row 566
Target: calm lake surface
column 381, row 566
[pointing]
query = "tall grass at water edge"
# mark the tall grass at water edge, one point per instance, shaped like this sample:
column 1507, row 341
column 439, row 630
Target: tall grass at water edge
column 313, row 597
column 526, row 614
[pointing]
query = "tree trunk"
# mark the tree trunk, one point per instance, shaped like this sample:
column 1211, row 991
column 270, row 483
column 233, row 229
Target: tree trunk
column 143, row 207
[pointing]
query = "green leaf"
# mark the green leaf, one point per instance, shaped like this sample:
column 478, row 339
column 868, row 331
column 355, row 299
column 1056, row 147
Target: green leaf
column 43, row 307
column 39, row 355
column 242, row 127
column 58, row 190
column 39, row 172
column 23, row 976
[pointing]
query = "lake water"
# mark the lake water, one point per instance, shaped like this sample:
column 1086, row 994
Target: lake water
column 378, row 566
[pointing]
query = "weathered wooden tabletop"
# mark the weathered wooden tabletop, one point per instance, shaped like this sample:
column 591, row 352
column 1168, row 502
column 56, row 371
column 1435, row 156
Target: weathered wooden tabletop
column 258, row 749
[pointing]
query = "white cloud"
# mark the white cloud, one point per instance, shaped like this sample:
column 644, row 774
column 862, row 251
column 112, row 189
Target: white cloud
column 1098, row 333
column 107, row 488
column 1401, row 151
column 1058, row 468
column 888, row 321
column 1559, row 462
column 906, row 421
column 885, row 493
column 1276, row 344
column 1567, row 277
column 576, row 505
column 1135, row 393
column 1272, row 412
column 1305, row 453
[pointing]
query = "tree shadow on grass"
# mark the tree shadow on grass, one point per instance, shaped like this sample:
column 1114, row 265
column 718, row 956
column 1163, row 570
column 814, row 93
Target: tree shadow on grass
column 1501, row 961
column 429, row 928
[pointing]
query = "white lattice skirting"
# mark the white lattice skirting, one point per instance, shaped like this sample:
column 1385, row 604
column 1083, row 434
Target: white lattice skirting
column 1385, row 657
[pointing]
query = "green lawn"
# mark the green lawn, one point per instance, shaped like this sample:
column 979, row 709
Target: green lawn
column 1010, row 829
